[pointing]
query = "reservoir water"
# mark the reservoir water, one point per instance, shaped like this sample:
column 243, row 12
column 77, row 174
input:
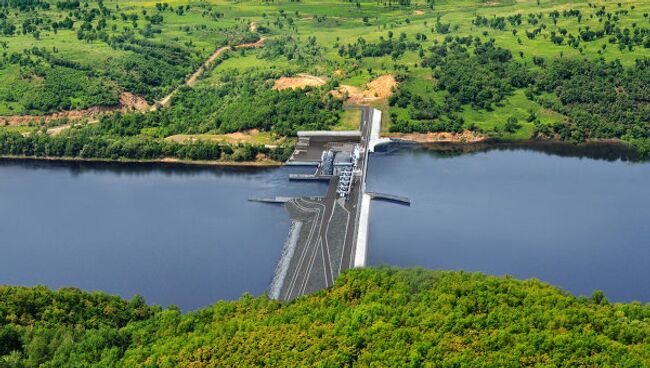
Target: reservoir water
column 175, row 235
column 576, row 222
column 188, row 236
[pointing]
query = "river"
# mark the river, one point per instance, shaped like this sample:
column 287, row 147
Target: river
column 188, row 236
column 175, row 235
column 550, row 212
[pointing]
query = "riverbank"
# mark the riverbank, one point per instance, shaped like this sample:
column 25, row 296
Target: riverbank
column 608, row 149
column 466, row 136
column 163, row 161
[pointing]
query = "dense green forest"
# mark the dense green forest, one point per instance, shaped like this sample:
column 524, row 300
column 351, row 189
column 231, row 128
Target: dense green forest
column 371, row 317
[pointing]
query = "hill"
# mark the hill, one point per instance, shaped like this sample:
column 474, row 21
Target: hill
column 125, row 79
column 371, row 317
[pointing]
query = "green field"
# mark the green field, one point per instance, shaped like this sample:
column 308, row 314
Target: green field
column 571, row 70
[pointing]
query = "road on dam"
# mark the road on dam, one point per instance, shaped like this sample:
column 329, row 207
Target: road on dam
column 328, row 234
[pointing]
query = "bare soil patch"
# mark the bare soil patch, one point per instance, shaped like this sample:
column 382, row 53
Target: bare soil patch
column 418, row 12
column 298, row 81
column 259, row 43
column 128, row 102
column 466, row 136
column 252, row 136
column 378, row 89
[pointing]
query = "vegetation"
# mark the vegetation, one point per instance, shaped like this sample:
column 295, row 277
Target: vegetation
column 385, row 316
column 525, row 69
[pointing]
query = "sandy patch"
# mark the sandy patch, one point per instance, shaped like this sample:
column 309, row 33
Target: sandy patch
column 491, row 3
column 252, row 136
column 418, row 12
column 378, row 89
column 298, row 81
column 466, row 136
column 252, row 27
column 133, row 102
column 128, row 102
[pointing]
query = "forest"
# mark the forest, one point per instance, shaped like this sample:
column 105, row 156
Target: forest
column 387, row 316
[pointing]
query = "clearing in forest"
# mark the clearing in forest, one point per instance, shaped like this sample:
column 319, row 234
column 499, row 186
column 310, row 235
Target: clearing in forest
column 378, row 89
column 298, row 81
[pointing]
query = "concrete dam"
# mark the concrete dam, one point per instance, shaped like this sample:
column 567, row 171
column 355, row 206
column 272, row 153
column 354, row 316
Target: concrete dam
column 328, row 234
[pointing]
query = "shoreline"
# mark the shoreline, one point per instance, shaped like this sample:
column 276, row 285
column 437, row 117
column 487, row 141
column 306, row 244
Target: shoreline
column 163, row 161
column 619, row 148
column 607, row 149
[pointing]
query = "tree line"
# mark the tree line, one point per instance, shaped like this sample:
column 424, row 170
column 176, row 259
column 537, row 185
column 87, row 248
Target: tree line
column 373, row 316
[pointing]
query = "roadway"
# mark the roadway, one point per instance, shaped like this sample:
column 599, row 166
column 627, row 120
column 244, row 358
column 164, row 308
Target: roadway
column 325, row 243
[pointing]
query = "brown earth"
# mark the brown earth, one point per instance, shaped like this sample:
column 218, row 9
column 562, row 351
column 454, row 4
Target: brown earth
column 466, row 136
column 377, row 89
column 298, row 81
column 418, row 12
column 128, row 102
column 259, row 43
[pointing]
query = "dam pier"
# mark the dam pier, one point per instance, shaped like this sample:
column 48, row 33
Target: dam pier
column 328, row 234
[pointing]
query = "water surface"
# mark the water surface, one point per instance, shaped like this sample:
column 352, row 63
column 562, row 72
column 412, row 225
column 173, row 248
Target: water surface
column 189, row 236
column 175, row 235
column 576, row 222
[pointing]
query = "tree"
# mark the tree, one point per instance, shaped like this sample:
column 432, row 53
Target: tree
column 511, row 125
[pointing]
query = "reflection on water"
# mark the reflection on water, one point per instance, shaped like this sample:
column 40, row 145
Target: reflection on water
column 187, row 235
column 176, row 235
column 577, row 222
column 593, row 150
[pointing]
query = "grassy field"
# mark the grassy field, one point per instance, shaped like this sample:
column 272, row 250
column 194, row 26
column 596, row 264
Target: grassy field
column 128, row 51
column 350, row 120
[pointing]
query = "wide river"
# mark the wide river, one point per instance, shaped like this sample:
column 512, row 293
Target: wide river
column 189, row 236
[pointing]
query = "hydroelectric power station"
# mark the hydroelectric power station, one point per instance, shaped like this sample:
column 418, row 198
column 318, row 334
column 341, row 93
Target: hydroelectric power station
column 328, row 234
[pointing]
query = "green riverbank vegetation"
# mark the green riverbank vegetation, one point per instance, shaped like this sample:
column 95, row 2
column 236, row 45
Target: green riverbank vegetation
column 371, row 317
column 573, row 71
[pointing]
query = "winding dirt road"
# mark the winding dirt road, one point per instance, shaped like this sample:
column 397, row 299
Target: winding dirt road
column 128, row 101
column 191, row 81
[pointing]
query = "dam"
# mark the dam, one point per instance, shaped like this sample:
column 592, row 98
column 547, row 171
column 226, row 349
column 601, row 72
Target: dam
column 328, row 234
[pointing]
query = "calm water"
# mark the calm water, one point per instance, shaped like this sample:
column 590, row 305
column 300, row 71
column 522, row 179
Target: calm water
column 579, row 223
column 174, row 235
column 188, row 236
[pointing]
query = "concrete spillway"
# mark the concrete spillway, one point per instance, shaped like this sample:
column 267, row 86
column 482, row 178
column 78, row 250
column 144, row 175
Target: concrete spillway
column 373, row 127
